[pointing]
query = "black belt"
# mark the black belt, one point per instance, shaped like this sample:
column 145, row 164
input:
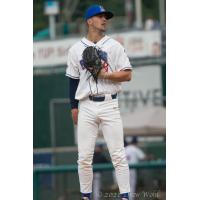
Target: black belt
column 94, row 98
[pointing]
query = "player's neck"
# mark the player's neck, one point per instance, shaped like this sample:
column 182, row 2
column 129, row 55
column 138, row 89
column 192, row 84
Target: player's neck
column 94, row 36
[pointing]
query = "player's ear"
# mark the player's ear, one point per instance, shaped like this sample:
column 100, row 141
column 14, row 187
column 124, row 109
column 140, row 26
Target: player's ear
column 89, row 21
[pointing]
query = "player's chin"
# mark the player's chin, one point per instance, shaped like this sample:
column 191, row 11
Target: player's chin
column 103, row 29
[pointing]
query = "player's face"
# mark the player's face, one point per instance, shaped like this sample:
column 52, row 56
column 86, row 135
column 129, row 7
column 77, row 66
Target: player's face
column 99, row 22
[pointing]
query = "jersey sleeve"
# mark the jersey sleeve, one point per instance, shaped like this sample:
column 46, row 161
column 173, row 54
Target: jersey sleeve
column 140, row 154
column 121, row 59
column 72, row 70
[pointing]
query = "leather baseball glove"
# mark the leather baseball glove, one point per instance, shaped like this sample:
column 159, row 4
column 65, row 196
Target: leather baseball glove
column 92, row 61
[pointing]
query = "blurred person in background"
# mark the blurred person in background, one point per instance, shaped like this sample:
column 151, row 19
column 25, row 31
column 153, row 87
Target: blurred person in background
column 98, row 158
column 151, row 23
column 134, row 155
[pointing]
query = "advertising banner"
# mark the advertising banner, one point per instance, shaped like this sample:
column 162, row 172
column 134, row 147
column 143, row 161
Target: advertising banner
column 145, row 89
column 136, row 43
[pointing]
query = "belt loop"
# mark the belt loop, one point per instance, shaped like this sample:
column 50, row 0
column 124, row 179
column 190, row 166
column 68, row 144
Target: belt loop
column 108, row 97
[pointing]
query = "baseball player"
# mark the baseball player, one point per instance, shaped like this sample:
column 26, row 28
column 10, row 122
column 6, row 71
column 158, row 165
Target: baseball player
column 95, row 103
column 134, row 154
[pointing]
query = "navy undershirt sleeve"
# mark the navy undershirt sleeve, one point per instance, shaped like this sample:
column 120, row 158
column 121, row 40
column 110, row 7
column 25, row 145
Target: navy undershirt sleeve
column 73, row 84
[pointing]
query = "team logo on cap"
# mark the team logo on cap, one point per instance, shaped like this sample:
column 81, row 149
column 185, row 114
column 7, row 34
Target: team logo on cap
column 102, row 9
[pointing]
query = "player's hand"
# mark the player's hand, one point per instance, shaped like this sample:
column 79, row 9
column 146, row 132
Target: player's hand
column 102, row 74
column 74, row 112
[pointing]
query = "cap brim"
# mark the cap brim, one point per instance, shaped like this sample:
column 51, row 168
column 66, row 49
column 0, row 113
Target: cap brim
column 108, row 14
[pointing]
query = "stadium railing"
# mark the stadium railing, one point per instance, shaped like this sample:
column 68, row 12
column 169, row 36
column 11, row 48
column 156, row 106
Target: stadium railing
column 160, row 164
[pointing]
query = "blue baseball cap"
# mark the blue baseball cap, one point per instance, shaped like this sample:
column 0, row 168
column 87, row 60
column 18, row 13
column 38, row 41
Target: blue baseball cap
column 97, row 10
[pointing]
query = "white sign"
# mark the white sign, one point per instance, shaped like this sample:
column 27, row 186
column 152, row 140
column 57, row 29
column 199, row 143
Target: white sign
column 145, row 89
column 51, row 53
column 51, row 8
column 140, row 43
column 136, row 43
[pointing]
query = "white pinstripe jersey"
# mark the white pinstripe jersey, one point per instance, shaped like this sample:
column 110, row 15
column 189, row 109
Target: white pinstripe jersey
column 114, row 59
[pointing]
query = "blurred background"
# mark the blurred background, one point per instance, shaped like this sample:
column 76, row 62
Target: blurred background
column 139, row 25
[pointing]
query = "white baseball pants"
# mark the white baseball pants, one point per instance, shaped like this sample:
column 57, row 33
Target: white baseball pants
column 91, row 115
